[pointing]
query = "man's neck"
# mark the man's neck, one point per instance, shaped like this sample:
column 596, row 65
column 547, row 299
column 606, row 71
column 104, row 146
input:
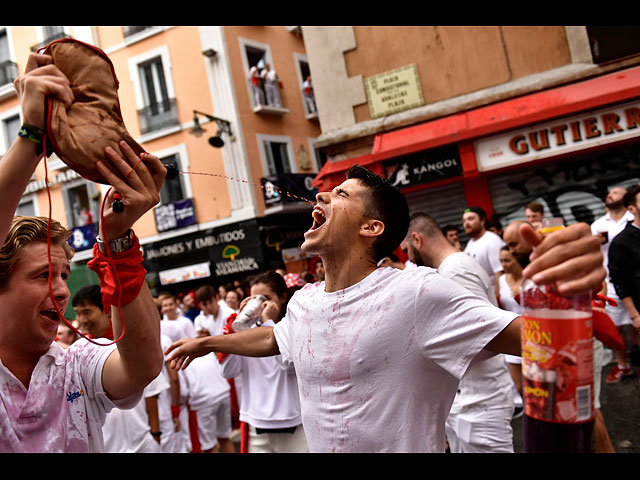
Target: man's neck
column 441, row 254
column 479, row 235
column 172, row 316
column 21, row 366
column 342, row 272
column 617, row 214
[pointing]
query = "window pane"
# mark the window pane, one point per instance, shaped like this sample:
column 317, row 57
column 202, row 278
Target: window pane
column 4, row 46
column 277, row 157
column 80, row 205
column 172, row 189
column 26, row 208
column 11, row 127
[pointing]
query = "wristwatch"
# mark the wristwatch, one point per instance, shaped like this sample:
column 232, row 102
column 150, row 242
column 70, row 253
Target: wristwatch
column 117, row 245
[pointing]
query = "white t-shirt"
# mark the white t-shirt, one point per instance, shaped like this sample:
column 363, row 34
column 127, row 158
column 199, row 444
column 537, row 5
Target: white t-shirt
column 177, row 329
column 205, row 383
column 213, row 325
column 65, row 406
column 486, row 251
column 506, row 296
column 608, row 224
column 270, row 396
column 487, row 384
column 378, row 363
column 128, row 431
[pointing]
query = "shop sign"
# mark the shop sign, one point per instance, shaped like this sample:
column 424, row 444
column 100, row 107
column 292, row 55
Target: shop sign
column 184, row 274
column 394, row 91
column 175, row 215
column 62, row 177
column 559, row 137
column 227, row 252
column 424, row 167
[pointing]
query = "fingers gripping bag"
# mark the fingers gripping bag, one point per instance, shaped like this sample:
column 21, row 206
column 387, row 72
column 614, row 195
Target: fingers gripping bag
column 79, row 134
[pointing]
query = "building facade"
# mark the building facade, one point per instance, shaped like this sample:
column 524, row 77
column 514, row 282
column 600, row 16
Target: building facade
column 489, row 116
column 186, row 97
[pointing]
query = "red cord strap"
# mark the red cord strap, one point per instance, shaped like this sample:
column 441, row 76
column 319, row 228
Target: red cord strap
column 121, row 275
column 226, row 330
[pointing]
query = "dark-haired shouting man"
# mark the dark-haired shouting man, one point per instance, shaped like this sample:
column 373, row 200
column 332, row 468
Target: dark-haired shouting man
column 379, row 352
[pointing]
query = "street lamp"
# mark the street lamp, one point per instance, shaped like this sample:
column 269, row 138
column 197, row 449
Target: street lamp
column 224, row 126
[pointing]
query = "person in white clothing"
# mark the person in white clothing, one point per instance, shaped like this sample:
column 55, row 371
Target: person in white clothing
column 508, row 296
column 209, row 399
column 270, row 79
column 214, row 314
column 480, row 417
column 606, row 228
column 137, row 430
column 379, row 352
column 270, row 403
column 54, row 400
column 483, row 245
column 174, row 325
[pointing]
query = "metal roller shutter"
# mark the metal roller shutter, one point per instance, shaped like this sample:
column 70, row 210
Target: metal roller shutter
column 573, row 188
column 445, row 204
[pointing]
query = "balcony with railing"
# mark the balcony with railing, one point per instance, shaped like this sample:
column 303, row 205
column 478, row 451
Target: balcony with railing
column 268, row 98
column 158, row 116
column 8, row 72
column 128, row 31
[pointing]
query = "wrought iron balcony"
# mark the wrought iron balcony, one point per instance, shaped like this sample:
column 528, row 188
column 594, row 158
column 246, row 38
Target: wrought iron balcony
column 158, row 116
column 132, row 30
column 8, row 72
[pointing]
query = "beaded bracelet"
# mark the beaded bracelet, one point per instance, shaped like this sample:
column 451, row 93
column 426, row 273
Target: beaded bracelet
column 35, row 135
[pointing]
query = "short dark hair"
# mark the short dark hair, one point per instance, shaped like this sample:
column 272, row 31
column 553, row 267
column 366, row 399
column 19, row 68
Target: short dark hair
column 206, row 293
column 425, row 224
column 477, row 210
column 535, row 207
column 630, row 197
column 449, row 228
column 90, row 294
column 386, row 203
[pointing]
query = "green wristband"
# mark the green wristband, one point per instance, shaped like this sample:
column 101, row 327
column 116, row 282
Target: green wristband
column 35, row 135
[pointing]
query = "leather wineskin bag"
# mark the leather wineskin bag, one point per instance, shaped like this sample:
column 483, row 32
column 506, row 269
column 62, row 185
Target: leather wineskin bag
column 79, row 134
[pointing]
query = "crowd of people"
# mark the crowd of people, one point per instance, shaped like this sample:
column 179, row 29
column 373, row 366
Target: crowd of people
column 364, row 354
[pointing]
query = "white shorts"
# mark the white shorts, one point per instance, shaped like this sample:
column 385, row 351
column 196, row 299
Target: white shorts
column 598, row 358
column 295, row 442
column 214, row 422
column 619, row 314
column 481, row 431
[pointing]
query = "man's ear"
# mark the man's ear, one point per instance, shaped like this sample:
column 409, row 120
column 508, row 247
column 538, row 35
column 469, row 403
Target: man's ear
column 416, row 239
column 372, row 228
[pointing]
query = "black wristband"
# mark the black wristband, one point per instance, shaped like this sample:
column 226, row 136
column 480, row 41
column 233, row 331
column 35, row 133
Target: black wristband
column 156, row 434
column 35, row 135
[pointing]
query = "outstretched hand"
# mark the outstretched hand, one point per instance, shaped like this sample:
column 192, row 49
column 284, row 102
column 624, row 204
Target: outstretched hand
column 138, row 188
column 185, row 351
column 569, row 257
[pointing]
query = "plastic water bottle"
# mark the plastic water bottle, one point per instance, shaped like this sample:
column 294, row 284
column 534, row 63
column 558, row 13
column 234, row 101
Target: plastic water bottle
column 250, row 314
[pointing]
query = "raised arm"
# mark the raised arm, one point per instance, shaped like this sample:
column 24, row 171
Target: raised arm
column 40, row 79
column 254, row 342
column 138, row 358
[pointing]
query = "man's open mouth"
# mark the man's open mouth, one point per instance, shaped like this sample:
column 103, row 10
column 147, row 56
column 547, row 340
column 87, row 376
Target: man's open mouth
column 318, row 218
column 51, row 313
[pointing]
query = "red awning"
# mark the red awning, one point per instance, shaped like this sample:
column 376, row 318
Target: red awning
column 506, row 115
